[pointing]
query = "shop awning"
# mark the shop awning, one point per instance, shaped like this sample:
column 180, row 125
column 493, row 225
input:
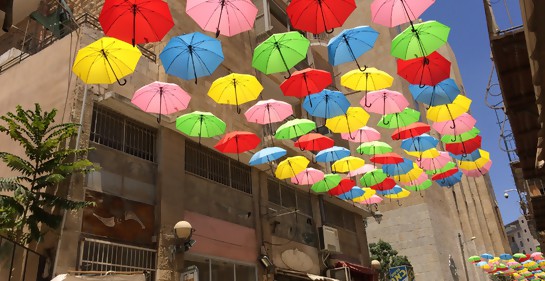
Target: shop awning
column 100, row 277
column 356, row 268
column 320, row 278
column 304, row 275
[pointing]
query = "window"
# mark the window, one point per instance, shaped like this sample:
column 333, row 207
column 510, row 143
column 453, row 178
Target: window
column 211, row 269
column 528, row 239
column 339, row 217
column 521, row 244
column 531, row 250
column 114, row 130
column 512, row 239
column 518, row 234
column 212, row 165
column 525, row 231
column 286, row 196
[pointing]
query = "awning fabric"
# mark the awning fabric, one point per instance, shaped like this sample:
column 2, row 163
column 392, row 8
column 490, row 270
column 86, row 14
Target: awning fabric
column 356, row 268
column 320, row 278
column 304, row 275
column 109, row 277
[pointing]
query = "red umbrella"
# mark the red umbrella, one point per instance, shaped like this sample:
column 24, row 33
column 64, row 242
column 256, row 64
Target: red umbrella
column 428, row 70
column 386, row 184
column 319, row 16
column 314, row 142
column 465, row 147
column 136, row 21
column 387, row 158
column 344, row 186
column 446, row 174
column 237, row 142
column 411, row 131
column 305, row 82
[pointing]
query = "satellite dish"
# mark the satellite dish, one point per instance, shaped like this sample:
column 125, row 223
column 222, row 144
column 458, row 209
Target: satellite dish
column 297, row 260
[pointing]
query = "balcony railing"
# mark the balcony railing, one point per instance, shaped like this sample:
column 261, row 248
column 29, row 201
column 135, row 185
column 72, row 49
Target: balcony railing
column 18, row 263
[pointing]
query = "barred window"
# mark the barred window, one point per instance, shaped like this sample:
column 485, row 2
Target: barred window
column 209, row 164
column 288, row 197
column 339, row 217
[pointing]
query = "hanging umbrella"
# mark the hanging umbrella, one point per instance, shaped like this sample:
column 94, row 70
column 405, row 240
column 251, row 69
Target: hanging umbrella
column 373, row 148
column 437, row 162
column 319, row 16
column 308, row 176
column 384, row 102
column 344, row 185
column 411, row 131
column 411, row 175
column 448, row 166
column 267, row 155
column 443, row 93
column 226, row 17
column 419, row 180
column 347, row 164
column 291, row 166
column 305, row 82
column 387, row 158
column 392, row 13
column 450, row 181
column 399, row 195
column 474, row 259
column 386, row 184
column 280, row 52
column 445, row 174
column 461, row 137
column 237, row 142
column 459, row 125
column 235, row 89
column 450, row 111
column 420, row 143
column 370, row 79
column 105, row 61
column 430, row 153
column 401, row 119
column 353, row 193
column 351, row 43
column 191, row 56
column 373, row 177
column 200, row 124
column 332, row 154
column 468, row 157
column 355, row 117
column 326, row 104
column 161, row 98
column 294, row 128
column 465, row 147
column 330, row 181
column 314, row 142
column 420, row 40
column 429, row 70
column 419, row 187
column 395, row 190
column 361, row 170
column 268, row 111
column 398, row 168
column 374, row 199
column 477, row 164
column 505, row 256
column 363, row 134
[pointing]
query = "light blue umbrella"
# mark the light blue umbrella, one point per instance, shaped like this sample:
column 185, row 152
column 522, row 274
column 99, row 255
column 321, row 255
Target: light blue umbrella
column 399, row 168
column 191, row 56
column 481, row 263
column 326, row 104
column 351, row 43
column 443, row 93
column 450, row 181
column 419, row 143
column 355, row 192
column 332, row 154
column 267, row 155
column 467, row 157
column 397, row 189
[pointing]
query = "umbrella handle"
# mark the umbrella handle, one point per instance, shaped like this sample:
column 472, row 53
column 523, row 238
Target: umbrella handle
column 453, row 139
column 364, row 67
column 159, row 119
column 384, row 122
column 398, row 203
column 238, row 110
column 217, row 33
column 330, row 31
column 314, row 160
column 122, row 83
column 365, row 102
column 453, row 125
column 464, row 155
column 421, row 195
column 289, row 75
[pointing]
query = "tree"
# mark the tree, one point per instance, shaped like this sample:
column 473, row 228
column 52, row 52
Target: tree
column 29, row 201
column 387, row 256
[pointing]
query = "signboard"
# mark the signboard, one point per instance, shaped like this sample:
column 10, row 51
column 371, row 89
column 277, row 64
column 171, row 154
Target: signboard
column 190, row 274
column 399, row 273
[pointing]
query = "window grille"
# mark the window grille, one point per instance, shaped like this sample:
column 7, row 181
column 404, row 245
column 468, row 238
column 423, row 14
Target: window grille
column 339, row 217
column 286, row 196
column 114, row 130
column 207, row 163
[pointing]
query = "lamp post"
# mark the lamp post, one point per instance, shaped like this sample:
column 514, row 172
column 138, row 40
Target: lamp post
column 522, row 206
column 182, row 234
column 463, row 254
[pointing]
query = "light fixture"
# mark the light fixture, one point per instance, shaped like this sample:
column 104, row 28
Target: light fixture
column 183, row 232
column 378, row 216
column 265, row 261
column 375, row 264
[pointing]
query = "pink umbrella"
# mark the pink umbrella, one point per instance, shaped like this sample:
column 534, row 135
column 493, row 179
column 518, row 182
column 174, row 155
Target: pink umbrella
column 161, row 98
column 537, row 256
column 268, row 111
column 479, row 171
column 363, row 134
column 462, row 124
column 384, row 102
column 434, row 163
column 227, row 17
column 361, row 170
column 422, row 178
column 308, row 176
column 392, row 13
column 375, row 199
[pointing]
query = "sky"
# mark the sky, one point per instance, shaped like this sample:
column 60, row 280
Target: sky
column 470, row 42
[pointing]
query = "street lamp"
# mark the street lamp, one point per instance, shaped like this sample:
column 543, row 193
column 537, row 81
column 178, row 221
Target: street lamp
column 463, row 254
column 183, row 232
column 522, row 205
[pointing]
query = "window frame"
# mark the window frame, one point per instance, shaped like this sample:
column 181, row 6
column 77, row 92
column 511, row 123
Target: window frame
column 211, row 259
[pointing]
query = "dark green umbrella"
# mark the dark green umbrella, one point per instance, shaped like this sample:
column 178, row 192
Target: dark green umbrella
column 420, row 40
column 280, row 52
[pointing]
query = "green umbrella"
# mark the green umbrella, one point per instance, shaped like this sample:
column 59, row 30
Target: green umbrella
column 200, row 124
column 398, row 120
column 294, row 128
column 374, row 147
column 330, row 181
column 519, row 256
column 448, row 166
column 280, row 52
column 423, row 186
column 373, row 177
column 474, row 259
column 420, row 40
column 461, row 137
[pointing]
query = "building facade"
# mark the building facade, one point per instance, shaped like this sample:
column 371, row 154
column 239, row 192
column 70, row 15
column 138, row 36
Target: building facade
column 520, row 238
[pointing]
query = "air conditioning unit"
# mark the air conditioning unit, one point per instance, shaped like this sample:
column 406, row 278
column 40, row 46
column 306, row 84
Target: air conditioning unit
column 329, row 239
column 340, row 273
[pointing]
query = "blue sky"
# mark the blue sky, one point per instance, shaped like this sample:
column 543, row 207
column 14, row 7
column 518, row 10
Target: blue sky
column 469, row 39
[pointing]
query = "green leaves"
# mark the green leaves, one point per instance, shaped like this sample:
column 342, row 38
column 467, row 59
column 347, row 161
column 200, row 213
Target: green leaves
column 387, row 256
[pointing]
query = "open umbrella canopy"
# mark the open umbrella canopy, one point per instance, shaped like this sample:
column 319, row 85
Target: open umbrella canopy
column 105, row 61
column 361, row 170
column 268, row 111
column 280, row 52
column 399, row 168
column 237, row 142
column 384, row 102
column 344, row 185
column 386, row 184
column 226, row 17
column 319, row 16
column 363, row 134
column 395, row 190
column 305, row 82
column 330, row 181
column 430, row 153
column 451, row 111
column 373, row 199
column 478, row 172
column 411, row 131
column 443, row 93
column 353, row 193
column 461, row 137
column 429, row 70
column 291, row 167
column 373, row 177
column 411, row 175
column 347, row 164
column 136, row 21
column 445, row 174
column 477, row 164
column 308, row 176
column 314, row 142
column 387, row 158
column 419, row 143
column 433, row 163
column 332, row 154
column 392, row 13
column 191, row 56
column 399, row 195
column 446, row 167
column 294, row 128
column 461, row 124
column 468, row 157
column 326, row 104
column 161, row 98
column 374, row 147
column 401, row 119
column 354, row 118
column 420, row 40
column 370, row 79
column 419, row 180
column 267, row 155
column 200, row 124
column 351, row 43
column 235, row 89
column 474, row 259
column 419, row 187
column 450, row 181
column 465, row 147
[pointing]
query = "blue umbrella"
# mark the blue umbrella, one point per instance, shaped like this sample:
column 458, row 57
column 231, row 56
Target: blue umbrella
column 443, row 93
column 450, row 181
column 506, row 257
column 350, row 44
column 419, row 143
column 355, row 192
column 332, row 154
column 326, row 104
column 487, row 256
column 191, row 55
column 467, row 157
column 481, row 263
column 397, row 189
column 266, row 155
column 399, row 168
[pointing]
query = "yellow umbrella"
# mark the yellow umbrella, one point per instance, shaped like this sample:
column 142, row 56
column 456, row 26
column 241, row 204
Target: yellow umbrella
column 235, row 89
column 404, row 193
column 368, row 194
column 291, row 166
column 445, row 112
column 430, row 153
column 105, row 61
column 409, row 176
column 477, row 164
column 347, row 164
column 371, row 79
column 354, row 119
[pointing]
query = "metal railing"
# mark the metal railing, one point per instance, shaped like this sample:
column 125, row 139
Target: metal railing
column 19, row 263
